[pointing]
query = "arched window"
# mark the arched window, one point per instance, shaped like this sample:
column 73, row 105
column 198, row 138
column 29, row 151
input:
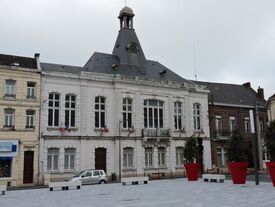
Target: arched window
column 153, row 114
column 100, row 110
column 149, row 157
column 52, row 159
column 128, row 157
column 179, row 156
column 178, row 115
column 70, row 105
column 69, row 159
column 53, row 110
column 161, row 156
column 197, row 116
column 127, row 112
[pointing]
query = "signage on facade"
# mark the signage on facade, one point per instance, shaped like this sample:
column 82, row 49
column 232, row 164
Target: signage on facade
column 8, row 148
column 5, row 146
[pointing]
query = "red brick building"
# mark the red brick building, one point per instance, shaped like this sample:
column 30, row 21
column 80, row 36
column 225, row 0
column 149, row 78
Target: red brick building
column 229, row 106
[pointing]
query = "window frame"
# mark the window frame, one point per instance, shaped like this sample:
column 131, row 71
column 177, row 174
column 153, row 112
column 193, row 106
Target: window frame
column 69, row 159
column 70, row 110
column 10, row 88
column 179, row 156
column 149, row 157
column 53, row 155
column 128, row 157
column 153, row 113
column 55, row 114
column 127, row 113
column 30, row 119
column 197, row 116
column 178, row 115
column 162, row 157
column 9, row 121
column 101, row 122
column 31, row 90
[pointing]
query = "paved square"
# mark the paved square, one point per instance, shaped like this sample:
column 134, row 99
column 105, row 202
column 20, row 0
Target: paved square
column 174, row 193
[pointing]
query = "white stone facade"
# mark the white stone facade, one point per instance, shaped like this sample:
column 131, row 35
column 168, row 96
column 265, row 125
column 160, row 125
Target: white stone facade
column 85, row 139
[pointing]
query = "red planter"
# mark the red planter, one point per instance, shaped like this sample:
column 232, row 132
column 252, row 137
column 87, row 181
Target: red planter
column 192, row 171
column 271, row 169
column 238, row 171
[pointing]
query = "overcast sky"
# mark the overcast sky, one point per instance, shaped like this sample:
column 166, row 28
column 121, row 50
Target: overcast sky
column 231, row 41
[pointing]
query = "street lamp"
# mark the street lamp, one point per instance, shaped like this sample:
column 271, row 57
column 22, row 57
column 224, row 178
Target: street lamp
column 119, row 145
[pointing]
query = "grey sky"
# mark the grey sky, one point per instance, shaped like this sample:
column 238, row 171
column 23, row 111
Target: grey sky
column 234, row 40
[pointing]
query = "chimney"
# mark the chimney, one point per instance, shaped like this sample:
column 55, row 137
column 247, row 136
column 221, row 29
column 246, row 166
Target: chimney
column 260, row 93
column 247, row 84
column 36, row 56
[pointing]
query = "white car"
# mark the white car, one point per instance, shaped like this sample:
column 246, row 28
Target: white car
column 90, row 176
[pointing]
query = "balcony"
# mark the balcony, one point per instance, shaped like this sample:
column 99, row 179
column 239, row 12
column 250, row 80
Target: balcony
column 154, row 133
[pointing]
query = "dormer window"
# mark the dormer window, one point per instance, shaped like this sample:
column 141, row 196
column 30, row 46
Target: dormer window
column 133, row 48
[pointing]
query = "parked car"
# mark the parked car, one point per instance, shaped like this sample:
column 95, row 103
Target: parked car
column 90, row 176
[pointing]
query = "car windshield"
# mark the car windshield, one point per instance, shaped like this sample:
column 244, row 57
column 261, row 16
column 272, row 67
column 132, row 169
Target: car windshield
column 79, row 174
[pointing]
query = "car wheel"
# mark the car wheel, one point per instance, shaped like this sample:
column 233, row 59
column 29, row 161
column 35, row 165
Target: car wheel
column 102, row 182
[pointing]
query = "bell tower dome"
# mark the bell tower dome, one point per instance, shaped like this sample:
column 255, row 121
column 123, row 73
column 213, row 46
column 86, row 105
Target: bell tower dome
column 126, row 16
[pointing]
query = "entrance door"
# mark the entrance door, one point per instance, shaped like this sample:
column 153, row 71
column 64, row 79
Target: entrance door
column 100, row 159
column 28, row 167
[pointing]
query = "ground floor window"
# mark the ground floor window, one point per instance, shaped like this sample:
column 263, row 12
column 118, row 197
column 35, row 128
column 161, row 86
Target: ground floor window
column 179, row 156
column 221, row 157
column 128, row 156
column 69, row 161
column 52, row 159
column 5, row 167
column 149, row 157
column 161, row 157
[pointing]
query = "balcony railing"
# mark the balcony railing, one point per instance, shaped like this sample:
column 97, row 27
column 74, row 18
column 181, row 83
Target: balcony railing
column 155, row 133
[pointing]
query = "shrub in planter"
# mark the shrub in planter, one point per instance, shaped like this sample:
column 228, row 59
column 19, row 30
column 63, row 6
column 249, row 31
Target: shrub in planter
column 270, row 150
column 237, row 159
column 190, row 154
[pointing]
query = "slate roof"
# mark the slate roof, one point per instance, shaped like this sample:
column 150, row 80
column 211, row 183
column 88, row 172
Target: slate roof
column 50, row 67
column 234, row 94
column 23, row 62
column 102, row 63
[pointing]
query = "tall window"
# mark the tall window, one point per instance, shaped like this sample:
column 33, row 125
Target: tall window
column 247, row 125
column 9, row 118
column 232, row 123
column 221, row 155
column 161, row 157
column 52, row 159
column 54, row 107
column 127, row 112
column 128, row 157
column 178, row 115
column 149, row 157
column 153, row 114
column 30, row 118
column 179, row 156
column 218, row 125
column 70, row 101
column 69, row 161
column 10, row 88
column 197, row 116
column 100, row 112
column 31, row 89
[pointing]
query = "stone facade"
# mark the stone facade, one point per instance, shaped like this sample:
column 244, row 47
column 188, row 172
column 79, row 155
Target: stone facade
column 86, row 139
column 19, row 143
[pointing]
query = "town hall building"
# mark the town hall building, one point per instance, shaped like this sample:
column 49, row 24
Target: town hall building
column 119, row 112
